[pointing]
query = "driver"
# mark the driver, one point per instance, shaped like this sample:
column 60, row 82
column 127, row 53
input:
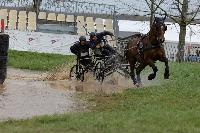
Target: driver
column 97, row 42
column 81, row 50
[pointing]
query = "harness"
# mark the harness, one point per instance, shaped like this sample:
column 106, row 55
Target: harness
column 142, row 50
column 152, row 47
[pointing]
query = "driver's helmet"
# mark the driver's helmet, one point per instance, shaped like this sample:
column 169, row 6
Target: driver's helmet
column 92, row 34
column 82, row 38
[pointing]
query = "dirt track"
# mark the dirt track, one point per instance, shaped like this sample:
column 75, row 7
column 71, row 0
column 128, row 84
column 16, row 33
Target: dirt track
column 26, row 94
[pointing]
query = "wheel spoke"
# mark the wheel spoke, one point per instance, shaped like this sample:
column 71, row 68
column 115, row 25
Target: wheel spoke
column 77, row 73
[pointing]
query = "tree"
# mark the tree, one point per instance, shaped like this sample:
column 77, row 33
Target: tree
column 153, row 8
column 36, row 4
column 36, row 7
column 184, row 13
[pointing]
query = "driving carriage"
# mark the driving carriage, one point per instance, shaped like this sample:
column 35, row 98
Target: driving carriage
column 101, row 66
column 109, row 65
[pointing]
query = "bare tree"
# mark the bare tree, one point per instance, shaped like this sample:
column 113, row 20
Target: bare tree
column 153, row 6
column 184, row 13
column 36, row 4
column 36, row 8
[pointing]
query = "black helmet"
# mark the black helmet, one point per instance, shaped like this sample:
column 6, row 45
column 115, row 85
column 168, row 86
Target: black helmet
column 92, row 34
column 82, row 38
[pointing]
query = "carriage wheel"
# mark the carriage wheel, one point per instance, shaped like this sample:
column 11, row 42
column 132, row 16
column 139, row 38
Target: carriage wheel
column 99, row 72
column 77, row 73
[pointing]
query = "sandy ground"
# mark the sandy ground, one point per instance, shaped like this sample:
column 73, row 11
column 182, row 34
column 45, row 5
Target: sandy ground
column 26, row 93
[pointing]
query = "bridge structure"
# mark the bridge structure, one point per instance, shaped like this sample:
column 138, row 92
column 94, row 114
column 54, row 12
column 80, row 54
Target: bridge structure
column 136, row 11
column 64, row 7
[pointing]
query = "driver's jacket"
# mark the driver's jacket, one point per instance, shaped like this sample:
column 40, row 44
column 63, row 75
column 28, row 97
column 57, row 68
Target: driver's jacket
column 80, row 50
column 100, row 39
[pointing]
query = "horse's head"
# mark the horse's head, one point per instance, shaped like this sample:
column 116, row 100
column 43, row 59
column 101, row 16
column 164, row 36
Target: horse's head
column 159, row 28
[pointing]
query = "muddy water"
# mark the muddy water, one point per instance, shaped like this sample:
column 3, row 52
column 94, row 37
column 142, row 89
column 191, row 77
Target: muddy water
column 112, row 84
column 26, row 94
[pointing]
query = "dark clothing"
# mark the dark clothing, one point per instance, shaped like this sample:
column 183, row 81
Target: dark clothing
column 105, row 49
column 100, row 38
column 82, row 52
column 86, row 62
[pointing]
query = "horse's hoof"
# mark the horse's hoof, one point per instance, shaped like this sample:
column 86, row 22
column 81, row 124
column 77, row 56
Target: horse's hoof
column 166, row 77
column 138, row 85
column 151, row 77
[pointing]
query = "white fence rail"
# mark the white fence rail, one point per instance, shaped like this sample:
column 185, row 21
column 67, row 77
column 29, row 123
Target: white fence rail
column 191, row 51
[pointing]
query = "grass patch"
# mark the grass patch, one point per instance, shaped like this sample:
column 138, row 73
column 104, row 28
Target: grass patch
column 37, row 61
column 173, row 107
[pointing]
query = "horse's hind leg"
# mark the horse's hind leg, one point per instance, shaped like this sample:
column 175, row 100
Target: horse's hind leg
column 166, row 74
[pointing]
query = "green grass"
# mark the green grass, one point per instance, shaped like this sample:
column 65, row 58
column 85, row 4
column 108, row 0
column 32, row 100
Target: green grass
column 172, row 107
column 37, row 61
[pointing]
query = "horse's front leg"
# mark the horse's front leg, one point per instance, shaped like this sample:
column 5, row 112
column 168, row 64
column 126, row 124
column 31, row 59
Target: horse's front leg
column 138, row 71
column 165, row 60
column 132, row 73
column 154, row 68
